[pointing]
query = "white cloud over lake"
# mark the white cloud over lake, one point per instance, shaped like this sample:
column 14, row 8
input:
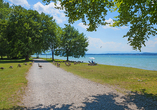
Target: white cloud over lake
column 99, row 46
column 151, row 46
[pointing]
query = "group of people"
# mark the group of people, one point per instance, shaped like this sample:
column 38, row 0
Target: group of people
column 92, row 63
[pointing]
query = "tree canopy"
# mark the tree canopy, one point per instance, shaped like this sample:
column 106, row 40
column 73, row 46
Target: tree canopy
column 72, row 43
column 4, row 11
column 141, row 15
column 25, row 32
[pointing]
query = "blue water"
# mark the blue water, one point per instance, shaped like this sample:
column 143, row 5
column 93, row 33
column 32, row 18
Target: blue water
column 148, row 62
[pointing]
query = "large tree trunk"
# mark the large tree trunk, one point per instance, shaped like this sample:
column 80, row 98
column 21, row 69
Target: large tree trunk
column 27, row 57
column 67, row 58
column 8, row 56
column 37, row 55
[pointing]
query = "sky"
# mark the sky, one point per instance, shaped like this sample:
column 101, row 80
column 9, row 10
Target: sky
column 105, row 40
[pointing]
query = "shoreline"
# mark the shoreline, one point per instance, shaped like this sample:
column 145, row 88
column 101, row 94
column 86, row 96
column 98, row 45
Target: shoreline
column 112, row 61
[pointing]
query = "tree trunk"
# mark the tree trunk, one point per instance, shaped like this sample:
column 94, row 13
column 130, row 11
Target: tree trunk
column 67, row 58
column 8, row 56
column 37, row 56
column 27, row 57
column 52, row 55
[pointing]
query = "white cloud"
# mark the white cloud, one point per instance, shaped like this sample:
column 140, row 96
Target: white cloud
column 96, row 45
column 58, row 15
column 20, row 2
column 151, row 46
column 111, row 23
column 83, row 26
column 124, row 27
column 108, row 25
column 151, row 43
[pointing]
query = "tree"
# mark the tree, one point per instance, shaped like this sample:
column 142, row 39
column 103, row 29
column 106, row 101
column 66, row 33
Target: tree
column 4, row 11
column 21, row 31
column 72, row 43
column 25, row 32
column 51, row 32
column 55, row 41
column 141, row 15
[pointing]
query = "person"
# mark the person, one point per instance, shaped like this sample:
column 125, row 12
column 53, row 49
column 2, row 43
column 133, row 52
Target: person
column 92, row 61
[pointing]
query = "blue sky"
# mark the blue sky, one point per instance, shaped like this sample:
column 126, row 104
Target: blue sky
column 105, row 40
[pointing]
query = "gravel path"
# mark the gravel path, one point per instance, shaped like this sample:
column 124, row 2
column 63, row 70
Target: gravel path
column 51, row 88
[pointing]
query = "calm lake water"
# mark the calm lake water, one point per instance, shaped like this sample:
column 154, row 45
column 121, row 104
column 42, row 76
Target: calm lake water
column 148, row 62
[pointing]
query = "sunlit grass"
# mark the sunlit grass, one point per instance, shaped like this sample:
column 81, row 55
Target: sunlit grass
column 12, row 82
column 133, row 79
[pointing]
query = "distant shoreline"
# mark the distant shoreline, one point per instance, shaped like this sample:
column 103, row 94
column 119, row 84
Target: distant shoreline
column 115, row 54
column 125, row 54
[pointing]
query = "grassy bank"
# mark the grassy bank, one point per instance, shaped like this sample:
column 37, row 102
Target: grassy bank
column 12, row 82
column 133, row 79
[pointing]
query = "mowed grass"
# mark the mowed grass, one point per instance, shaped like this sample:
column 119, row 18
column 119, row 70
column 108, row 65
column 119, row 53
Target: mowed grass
column 132, row 79
column 12, row 82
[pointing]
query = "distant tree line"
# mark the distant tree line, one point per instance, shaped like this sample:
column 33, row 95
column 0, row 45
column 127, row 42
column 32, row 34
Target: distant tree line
column 25, row 32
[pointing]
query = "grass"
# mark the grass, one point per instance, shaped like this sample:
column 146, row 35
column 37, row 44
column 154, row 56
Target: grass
column 12, row 82
column 132, row 79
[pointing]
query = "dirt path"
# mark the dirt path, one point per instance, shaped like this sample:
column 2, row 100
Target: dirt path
column 51, row 88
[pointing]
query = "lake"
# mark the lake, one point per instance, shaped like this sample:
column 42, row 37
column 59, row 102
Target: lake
column 148, row 62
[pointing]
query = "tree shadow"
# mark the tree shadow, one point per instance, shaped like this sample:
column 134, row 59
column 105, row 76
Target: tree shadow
column 142, row 100
column 101, row 102
column 40, row 61
column 6, row 60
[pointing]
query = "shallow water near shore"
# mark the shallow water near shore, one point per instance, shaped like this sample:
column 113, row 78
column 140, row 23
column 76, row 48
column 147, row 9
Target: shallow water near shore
column 147, row 62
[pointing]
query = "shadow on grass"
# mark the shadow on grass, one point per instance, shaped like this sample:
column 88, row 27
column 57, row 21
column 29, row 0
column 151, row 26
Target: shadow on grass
column 6, row 60
column 149, row 101
column 101, row 102
column 45, row 61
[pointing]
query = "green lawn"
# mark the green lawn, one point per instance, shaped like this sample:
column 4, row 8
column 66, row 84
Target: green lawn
column 12, row 82
column 132, row 79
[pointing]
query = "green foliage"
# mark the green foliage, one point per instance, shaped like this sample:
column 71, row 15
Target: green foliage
column 140, row 14
column 52, row 34
column 26, row 32
column 93, row 11
column 72, row 43
column 4, row 11
column 23, row 32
